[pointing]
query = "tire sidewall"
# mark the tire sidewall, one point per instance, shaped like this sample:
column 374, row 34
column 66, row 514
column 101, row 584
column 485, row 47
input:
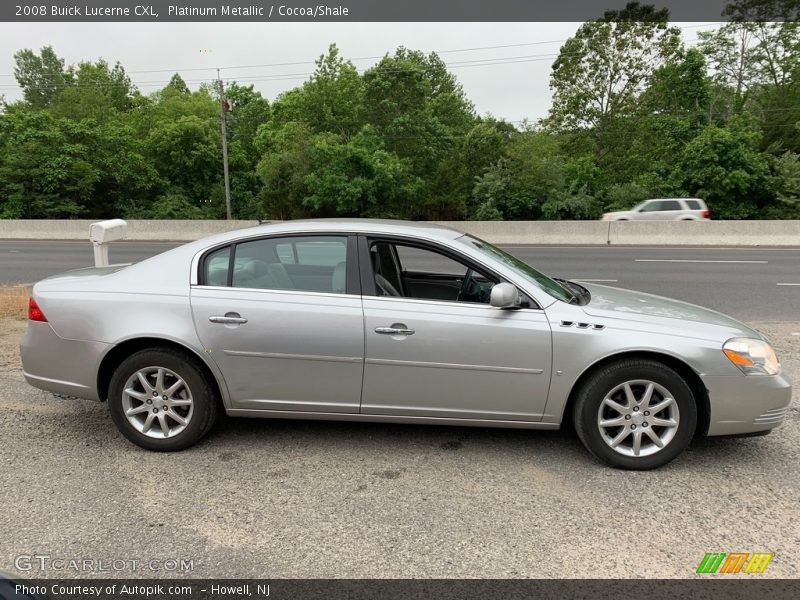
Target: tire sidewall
column 203, row 401
column 595, row 391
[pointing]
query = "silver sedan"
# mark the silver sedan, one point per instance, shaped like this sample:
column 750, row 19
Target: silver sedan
column 397, row 322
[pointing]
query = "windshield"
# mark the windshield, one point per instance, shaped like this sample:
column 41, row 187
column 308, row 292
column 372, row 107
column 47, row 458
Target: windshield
column 530, row 274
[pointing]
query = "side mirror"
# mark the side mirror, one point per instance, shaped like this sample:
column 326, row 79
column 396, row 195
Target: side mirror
column 504, row 295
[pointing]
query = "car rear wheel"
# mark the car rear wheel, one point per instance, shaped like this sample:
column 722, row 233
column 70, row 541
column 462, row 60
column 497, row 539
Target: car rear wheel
column 162, row 400
column 635, row 414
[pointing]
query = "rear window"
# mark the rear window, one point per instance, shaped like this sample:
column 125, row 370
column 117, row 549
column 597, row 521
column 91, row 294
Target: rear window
column 670, row 205
column 693, row 204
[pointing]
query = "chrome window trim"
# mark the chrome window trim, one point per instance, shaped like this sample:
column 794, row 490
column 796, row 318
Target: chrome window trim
column 271, row 291
column 448, row 303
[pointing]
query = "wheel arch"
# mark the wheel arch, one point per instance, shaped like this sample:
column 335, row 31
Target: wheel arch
column 688, row 374
column 114, row 357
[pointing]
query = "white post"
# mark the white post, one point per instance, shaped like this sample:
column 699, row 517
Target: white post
column 101, row 234
column 100, row 254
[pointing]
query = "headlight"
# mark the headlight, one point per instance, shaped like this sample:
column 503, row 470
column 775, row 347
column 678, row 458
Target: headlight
column 753, row 357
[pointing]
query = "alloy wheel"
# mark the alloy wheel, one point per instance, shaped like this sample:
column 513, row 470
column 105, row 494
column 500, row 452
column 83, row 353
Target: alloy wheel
column 157, row 402
column 638, row 418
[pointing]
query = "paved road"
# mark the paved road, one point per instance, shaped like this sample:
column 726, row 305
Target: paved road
column 743, row 282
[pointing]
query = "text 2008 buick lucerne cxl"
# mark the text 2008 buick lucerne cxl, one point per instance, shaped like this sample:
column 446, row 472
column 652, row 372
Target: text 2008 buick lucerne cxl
column 400, row 322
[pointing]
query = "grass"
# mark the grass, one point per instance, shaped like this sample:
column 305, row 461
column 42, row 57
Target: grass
column 14, row 301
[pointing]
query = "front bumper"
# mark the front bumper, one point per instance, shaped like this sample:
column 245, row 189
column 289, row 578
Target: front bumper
column 58, row 365
column 743, row 404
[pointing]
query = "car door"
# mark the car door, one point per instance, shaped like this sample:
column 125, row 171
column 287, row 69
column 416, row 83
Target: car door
column 429, row 356
column 651, row 211
column 282, row 318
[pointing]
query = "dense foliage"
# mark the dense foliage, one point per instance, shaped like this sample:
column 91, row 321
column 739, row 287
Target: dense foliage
column 635, row 114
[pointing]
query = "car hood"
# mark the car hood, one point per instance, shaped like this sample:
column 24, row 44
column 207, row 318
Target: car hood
column 638, row 306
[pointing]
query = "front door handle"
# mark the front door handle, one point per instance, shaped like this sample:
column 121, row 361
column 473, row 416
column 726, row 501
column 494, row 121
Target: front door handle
column 230, row 318
column 395, row 329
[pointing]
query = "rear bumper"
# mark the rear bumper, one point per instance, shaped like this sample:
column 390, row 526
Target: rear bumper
column 58, row 365
column 746, row 405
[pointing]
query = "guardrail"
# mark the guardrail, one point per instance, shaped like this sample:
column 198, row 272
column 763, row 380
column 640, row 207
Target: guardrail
column 617, row 233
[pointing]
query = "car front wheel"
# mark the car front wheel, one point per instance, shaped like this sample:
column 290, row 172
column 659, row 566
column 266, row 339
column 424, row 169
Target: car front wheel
column 635, row 414
column 162, row 400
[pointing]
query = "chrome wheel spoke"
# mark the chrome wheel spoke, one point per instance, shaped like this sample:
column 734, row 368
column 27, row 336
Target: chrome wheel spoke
column 136, row 394
column 616, row 422
column 160, row 381
column 170, row 392
column 657, row 408
column 615, row 406
column 629, row 394
column 637, row 442
column 654, row 437
column 162, row 420
column 648, row 394
column 657, row 422
column 180, row 402
column 148, row 422
column 620, row 436
column 137, row 410
column 145, row 383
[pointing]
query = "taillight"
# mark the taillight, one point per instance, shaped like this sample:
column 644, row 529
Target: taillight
column 34, row 312
column 706, row 214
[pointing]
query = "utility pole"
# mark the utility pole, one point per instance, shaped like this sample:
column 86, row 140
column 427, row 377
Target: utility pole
column 222, row 110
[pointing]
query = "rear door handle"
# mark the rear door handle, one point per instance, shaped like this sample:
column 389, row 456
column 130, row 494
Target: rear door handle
column 395, row 329
column 230, row 318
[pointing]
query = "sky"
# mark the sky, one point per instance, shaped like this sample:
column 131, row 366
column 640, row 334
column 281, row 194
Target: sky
column 150, row 53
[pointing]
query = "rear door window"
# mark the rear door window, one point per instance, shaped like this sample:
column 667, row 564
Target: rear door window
column 316, row 263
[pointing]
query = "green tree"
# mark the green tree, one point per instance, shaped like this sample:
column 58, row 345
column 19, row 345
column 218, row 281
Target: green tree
column 724, row 166
column 603, row 68
column 41, row 76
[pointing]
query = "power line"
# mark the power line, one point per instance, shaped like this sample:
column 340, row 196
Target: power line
column 375, row 57
column 496, row 61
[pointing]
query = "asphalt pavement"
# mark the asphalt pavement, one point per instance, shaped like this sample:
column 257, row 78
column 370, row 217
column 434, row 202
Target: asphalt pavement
column 748, row 283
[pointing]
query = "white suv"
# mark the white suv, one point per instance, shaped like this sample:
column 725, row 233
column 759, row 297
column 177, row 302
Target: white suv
column 663, row 209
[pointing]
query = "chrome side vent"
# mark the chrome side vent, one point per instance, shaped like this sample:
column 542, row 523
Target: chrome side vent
column 771, row 417
column 593, row 326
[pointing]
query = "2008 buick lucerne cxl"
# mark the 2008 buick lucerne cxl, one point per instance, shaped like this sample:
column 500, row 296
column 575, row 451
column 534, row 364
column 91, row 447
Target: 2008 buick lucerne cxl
column 399, row 322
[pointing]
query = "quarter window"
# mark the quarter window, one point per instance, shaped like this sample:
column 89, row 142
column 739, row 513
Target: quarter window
column 216, row 267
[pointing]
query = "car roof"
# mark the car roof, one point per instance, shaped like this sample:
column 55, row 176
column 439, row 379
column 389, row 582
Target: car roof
column 382, row 226
column 684, row 199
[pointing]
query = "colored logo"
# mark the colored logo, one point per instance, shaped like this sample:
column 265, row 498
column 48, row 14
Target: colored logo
column 734, row 562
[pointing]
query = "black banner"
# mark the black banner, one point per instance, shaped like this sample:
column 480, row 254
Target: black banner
column 377, row 10
column 714, row 586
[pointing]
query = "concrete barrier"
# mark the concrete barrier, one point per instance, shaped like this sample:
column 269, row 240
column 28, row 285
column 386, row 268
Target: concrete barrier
column 704, row 233
column 78, row 229
column 618, row 233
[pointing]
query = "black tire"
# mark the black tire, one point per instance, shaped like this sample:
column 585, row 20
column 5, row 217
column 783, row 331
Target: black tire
column 204, row 398
column 591, row 395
